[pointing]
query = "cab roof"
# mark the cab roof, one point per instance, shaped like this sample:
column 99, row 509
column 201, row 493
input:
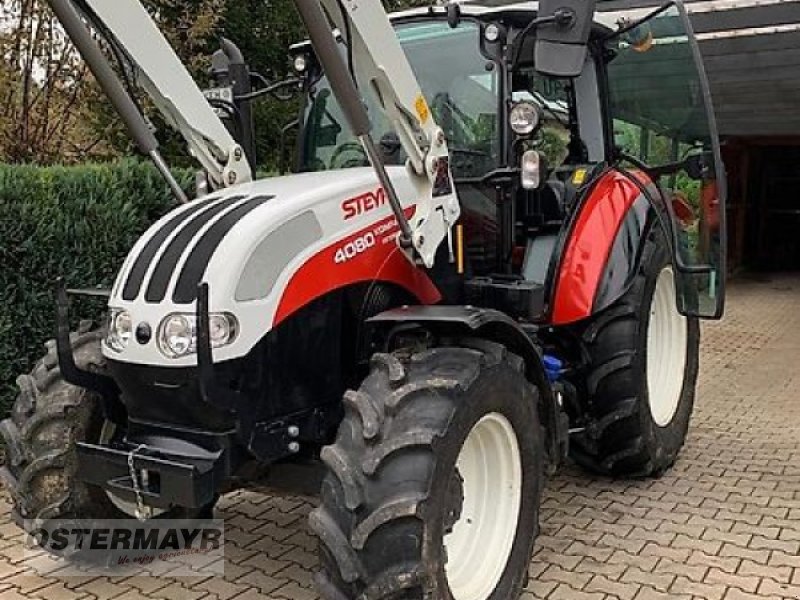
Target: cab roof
column 520, row 12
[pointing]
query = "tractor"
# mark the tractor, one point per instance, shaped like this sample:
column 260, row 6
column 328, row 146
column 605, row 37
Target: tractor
column 504, row 225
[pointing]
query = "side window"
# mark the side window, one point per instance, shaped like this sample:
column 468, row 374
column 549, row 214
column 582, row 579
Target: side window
column 663, row 125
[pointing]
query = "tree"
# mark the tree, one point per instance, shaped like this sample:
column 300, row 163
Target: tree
column 51, row 109
column 264, row 30
column 190, row 26
column 44, row 93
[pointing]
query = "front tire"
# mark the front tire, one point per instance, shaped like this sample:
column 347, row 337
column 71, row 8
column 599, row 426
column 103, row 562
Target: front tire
column 48, row 419
column 640, row 383
column 434, row 480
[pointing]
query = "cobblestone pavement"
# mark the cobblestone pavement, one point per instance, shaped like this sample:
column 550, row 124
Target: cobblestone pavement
column 723, row 524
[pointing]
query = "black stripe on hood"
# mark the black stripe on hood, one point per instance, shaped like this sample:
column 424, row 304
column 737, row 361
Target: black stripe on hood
column 157, row 288
column 195, row 266
column 133, row 284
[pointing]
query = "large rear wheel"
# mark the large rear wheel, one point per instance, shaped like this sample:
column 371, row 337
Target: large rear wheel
column 640, row 385
column 434, row 481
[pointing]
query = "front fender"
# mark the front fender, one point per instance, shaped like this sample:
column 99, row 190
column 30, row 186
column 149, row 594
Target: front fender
column 487, row 324
column 483, row 323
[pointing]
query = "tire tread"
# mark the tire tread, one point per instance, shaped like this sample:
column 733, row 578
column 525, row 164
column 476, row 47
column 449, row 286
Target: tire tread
column 46, row 401
column 413, row 401
column 614, row 442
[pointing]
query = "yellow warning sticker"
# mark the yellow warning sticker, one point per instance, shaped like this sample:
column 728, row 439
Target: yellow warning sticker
column 422, row 109
column 579, row 176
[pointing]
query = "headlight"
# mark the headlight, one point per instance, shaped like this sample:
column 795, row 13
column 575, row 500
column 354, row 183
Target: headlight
column 492, row 33
column 300, row 63
column 523, row 118
column 120, row 330
column 221, row 329
column 531, row 170
column 177, row 334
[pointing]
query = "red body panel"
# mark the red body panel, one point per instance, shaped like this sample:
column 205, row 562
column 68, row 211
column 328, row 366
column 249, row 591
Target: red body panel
column 342, row 264
column 588, row 248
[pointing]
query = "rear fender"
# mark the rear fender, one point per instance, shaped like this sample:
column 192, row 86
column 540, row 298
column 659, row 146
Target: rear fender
column 601, row 248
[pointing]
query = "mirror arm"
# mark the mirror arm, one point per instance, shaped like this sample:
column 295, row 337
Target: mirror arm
column 270, row 89
column 620, row 154
column 654, row 172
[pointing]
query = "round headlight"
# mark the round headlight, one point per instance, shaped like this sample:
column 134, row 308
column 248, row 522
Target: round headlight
column 491, row 33
column 177, row 336
column 300, row 63
column 524, row 118
column 221, row 329
column 120, row 330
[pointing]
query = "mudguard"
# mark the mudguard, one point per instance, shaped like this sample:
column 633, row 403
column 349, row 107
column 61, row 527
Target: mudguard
column 600, row 248
column 487, row 324
column 484, row 323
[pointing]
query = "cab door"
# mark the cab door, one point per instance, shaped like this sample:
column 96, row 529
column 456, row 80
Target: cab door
column 665, row 139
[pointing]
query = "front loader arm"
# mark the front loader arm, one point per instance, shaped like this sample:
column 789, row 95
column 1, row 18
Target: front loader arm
column 160, row 72
column 173, row 91
column 379, row 63
column 378, row 60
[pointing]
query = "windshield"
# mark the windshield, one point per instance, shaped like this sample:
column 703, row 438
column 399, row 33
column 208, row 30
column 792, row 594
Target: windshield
column 461, row 87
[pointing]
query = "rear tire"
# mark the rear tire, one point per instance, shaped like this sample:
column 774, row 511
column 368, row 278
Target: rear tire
column 642, row 373
column 434, row 480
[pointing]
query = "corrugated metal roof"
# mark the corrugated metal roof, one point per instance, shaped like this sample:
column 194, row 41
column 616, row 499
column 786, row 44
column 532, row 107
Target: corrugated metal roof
column 752, row 54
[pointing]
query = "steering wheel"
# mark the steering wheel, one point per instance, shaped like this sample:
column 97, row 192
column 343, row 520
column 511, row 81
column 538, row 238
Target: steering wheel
column 467, row 162
column 469, row 152
column 349, row 154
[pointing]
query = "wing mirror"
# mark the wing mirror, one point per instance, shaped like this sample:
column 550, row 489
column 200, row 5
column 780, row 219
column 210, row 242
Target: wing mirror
column 699, row 166
column 639, row 36
column 561, row 45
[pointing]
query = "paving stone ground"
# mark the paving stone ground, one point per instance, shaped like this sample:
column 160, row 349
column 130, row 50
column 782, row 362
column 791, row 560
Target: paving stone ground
column 723, row 524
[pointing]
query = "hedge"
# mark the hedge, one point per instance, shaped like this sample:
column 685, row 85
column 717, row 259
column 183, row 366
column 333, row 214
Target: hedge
column 73, row 222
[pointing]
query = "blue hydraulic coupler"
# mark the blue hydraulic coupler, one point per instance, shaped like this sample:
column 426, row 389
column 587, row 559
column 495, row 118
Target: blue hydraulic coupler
column 553, row 367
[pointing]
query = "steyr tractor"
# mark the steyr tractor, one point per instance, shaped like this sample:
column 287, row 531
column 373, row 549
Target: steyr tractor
column 505, row 225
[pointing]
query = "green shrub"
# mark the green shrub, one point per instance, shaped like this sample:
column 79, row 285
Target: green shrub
column 72, row 222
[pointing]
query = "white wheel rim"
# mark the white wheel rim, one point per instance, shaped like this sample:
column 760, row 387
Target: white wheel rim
column 667, row 335
column 479, row 546
column 127, row 507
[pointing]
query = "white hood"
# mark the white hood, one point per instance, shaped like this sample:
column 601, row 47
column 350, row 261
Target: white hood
column 246, row 242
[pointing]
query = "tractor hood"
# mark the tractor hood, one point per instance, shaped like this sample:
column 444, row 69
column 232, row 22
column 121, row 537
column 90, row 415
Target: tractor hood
column 265, row 249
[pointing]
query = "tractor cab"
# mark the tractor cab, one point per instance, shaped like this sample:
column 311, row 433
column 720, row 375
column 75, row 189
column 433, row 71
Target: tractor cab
column 530, row 141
